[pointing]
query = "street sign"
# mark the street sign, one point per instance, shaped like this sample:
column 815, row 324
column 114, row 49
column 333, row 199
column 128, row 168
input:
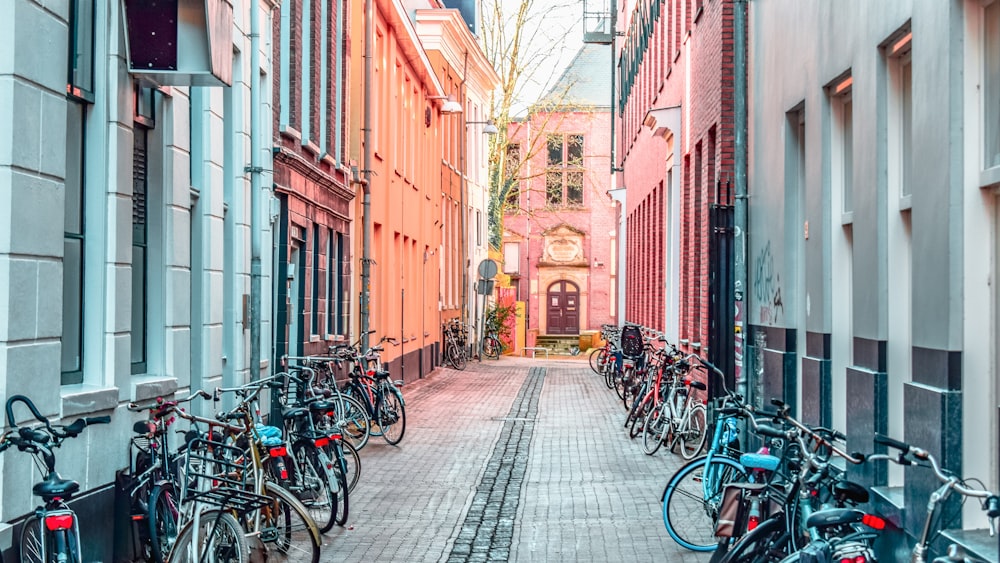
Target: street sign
column 487, row 269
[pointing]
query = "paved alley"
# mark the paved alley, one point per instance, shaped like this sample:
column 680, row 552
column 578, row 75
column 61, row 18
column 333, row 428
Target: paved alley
column 512, row 460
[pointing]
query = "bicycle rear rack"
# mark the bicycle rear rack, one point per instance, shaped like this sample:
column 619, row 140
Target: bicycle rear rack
column 219, row 474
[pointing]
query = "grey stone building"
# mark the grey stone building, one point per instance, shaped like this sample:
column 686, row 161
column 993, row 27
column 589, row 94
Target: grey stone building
column 874, row 227
column 130, row 159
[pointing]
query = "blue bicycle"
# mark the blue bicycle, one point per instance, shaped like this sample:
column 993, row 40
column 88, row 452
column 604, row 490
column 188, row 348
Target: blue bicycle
column 693, row 496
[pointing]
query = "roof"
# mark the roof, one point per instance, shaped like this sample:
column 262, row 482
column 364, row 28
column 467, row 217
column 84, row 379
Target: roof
column 586, row 82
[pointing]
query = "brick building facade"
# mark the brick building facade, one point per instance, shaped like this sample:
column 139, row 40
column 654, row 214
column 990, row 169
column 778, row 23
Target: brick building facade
column 559, row 228
column 675, row 150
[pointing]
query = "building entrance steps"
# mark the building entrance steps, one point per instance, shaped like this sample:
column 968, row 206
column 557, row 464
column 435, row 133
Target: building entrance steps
column 517, row 459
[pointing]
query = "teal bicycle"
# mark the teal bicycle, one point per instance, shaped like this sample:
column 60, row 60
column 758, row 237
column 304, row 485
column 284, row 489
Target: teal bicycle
column 693, row 496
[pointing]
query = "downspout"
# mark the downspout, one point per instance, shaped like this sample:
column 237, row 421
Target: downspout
column 614, row 69
column 740, row 218
column 464, row 186
column 256, row 171
column 366, row 207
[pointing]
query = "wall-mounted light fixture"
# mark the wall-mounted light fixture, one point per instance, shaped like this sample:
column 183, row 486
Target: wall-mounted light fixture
column 488, row 127
column 450, row 106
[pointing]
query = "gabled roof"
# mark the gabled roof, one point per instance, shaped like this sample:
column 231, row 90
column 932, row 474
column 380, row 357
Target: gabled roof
column 586, row 82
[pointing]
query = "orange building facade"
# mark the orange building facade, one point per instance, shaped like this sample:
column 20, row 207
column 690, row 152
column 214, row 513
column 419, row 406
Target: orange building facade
column 415, row 184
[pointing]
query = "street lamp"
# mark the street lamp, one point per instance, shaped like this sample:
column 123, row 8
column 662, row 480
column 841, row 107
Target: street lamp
column 450, row 106
column 488, row 127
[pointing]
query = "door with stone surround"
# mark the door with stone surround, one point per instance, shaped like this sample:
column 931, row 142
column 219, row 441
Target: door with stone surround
column 563, row 307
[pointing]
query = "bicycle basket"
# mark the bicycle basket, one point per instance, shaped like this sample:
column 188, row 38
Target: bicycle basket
column 631, row 341
column 221, row 475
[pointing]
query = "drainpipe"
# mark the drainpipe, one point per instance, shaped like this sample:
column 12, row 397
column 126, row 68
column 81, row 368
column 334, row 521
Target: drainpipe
column 464, row 185
column 366, row 244
column 740, row 204
column 614, row 69
column 256, row 171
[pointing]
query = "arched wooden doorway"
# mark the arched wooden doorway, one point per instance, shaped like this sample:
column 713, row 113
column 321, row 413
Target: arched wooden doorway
column 563, row 308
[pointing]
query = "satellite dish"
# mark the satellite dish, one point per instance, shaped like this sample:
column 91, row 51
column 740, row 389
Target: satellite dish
column 487, row 269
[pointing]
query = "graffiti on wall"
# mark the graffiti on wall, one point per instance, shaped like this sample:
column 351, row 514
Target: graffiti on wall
column 767, row 287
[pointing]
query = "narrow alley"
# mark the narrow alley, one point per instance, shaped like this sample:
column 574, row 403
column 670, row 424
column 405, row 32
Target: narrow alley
column 511, row 460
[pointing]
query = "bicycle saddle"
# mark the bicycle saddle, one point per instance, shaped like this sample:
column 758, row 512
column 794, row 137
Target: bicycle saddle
column 759, row 461
column 834, row 517
column 850, row 491
column 55, row 486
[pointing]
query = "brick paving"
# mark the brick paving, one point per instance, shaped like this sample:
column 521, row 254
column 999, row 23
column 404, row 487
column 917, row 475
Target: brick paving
column 510, row 460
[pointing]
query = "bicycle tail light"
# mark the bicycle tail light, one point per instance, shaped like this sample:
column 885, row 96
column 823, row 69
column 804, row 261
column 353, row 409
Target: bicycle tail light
column 59, row 521
column 320, row 442
column 873, row 521
column 280, row 451
column 279, row 462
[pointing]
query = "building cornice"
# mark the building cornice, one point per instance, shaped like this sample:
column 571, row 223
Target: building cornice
column 298, row 164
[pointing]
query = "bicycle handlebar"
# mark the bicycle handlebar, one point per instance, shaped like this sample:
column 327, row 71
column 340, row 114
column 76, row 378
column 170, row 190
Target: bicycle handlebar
column 162, row 404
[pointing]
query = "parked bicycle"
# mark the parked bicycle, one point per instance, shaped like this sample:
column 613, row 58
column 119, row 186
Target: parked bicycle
column 456, row 353
column 51, row 533
column 492, row 346
column 950, row 485
column 376, row 391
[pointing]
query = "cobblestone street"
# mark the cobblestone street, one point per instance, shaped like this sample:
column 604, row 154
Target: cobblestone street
column 511, row 460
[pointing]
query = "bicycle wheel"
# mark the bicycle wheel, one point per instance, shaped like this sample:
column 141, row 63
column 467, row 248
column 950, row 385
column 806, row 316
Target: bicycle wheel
column 692, row 434
column 221, row 539
column 354, row 422
column 56, row 546
column 767, row 543
column 351, row 465
column 162, row 520
column 318, row 489
column 691, row 507
column 456, row 356
column 287, row 530
column 392, row 416
column 492, row 348
column 652, row 430
column 598, row 357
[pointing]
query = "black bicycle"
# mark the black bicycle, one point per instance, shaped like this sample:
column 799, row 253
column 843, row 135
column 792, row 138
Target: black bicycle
column 52, row 533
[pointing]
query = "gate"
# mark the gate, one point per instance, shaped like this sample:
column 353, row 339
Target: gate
column 721, row 339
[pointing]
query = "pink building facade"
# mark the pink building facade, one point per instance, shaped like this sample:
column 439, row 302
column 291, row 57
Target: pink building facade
column 559, row 229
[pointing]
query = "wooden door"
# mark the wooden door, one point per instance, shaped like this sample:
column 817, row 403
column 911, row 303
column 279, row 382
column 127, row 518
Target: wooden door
column 563, row 308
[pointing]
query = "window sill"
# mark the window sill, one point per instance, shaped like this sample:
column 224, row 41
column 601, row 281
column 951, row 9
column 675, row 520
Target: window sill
column 847, row 218
column 976, row 543
column 152, row 386
column 86, row 399
column 888, row 503
column 990, row 178
column 906, row 202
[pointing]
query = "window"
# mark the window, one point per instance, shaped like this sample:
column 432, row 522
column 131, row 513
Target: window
column 564, row 170
column 991, row 91
column 79, row 90
column 80, row 83
column 512, row 172
column 511, row 257
column 143, row 121
column 314, row 318
column 73, row 244
column 331, row 293
column 842, row 143
column 900, row 122
column 139, row 185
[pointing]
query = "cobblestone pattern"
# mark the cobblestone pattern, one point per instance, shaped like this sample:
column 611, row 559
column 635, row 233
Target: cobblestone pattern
column 488, row 529
column 588, row 493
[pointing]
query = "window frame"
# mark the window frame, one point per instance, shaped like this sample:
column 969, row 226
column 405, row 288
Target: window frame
column 565, row 168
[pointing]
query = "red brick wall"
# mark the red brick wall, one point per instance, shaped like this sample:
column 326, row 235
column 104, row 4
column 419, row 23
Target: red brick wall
column 596, row 218
column 706, row 139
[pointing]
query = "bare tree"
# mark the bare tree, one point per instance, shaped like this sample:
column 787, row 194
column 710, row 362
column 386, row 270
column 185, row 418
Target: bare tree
column 524, row 40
